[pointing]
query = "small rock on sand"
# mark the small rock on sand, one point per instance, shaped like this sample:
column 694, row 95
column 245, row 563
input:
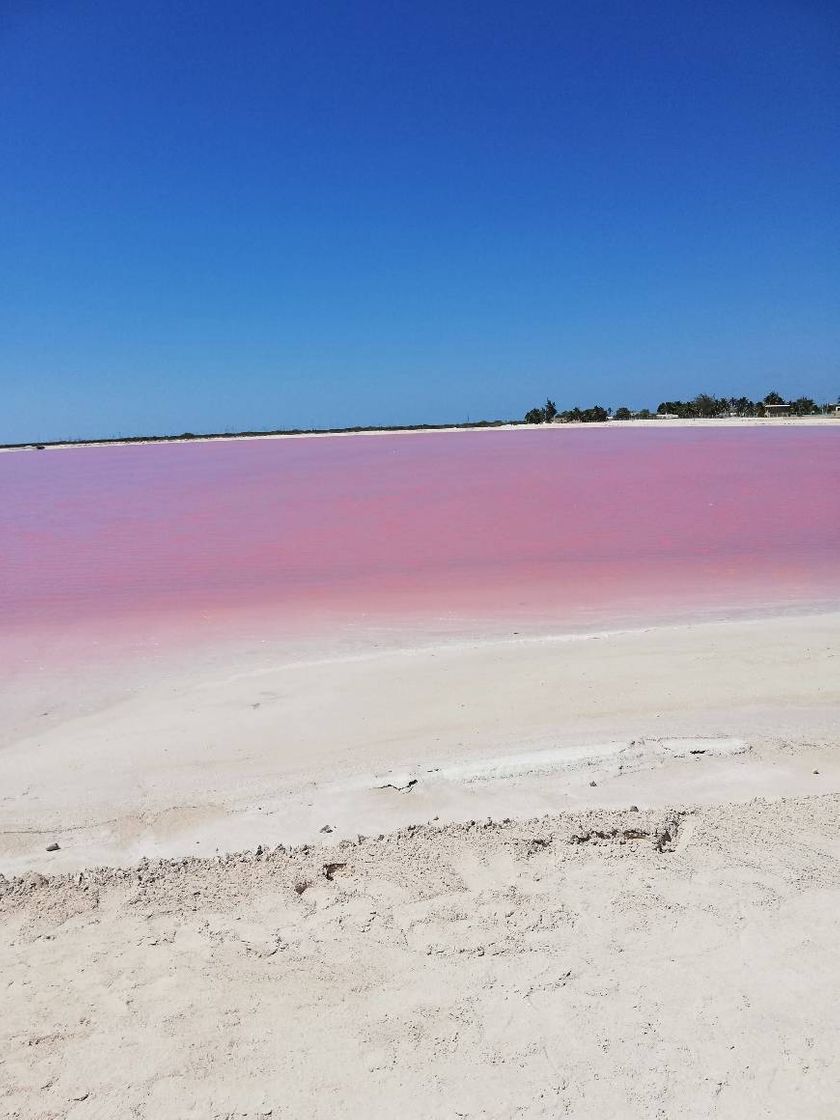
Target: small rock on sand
column 53, row 847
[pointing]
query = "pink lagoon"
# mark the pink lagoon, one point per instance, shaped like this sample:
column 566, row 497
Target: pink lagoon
column 117, row 546
column 132, row 567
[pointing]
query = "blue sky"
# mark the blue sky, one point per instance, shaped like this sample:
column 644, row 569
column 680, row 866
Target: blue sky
column 220, row 216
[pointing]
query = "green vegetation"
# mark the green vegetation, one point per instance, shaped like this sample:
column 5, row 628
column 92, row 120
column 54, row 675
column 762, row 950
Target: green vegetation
column 703, row 406
column 544, row 415
column 548, row 414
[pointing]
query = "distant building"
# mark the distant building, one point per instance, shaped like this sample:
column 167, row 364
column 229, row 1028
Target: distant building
column 777, row 409
column 836, row 411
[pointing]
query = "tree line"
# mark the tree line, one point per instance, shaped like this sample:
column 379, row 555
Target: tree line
column 703, row 406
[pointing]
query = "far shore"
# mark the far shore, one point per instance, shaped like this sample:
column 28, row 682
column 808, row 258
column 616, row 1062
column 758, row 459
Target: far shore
column 484, row 426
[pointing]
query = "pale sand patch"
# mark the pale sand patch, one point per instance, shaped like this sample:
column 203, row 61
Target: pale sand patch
column 219, row 757
column 595, row 961
column 607, row 964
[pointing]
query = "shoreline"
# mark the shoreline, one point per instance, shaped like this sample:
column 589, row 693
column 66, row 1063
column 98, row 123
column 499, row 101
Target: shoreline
column 225, row 754
column 489, row 426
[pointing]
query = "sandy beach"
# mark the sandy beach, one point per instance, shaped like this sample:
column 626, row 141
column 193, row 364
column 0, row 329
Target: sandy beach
column 547, row 875
column 250, row 748
column 629, row 964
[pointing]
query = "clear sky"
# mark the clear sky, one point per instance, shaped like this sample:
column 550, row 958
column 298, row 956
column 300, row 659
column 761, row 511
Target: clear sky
column 219, row 215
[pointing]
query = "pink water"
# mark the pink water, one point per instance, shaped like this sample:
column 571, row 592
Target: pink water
column 562, row 526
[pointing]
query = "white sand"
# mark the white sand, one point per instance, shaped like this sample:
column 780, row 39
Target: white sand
column 483, row 972
column 269, row 748
column 500, row 972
